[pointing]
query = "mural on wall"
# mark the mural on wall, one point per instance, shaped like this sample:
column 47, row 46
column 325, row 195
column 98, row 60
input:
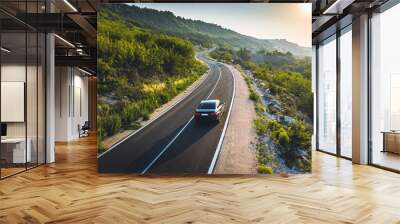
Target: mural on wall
column 197, row 88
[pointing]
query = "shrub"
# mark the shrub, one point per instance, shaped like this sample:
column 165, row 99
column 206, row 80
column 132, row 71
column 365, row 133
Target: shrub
column 164, row 97
column 145, row 115
column 130, row 113
column 260, row 107
column 301, row 134
column 264, row 156
column 273, row 125
column 264, row 169
column 254, row 96
column 109, row 124
column 283, row 137
column 260, row 125
column 101, row 147
column 273, row 110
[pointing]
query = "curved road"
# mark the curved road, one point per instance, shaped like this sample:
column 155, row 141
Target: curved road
column 174, row 143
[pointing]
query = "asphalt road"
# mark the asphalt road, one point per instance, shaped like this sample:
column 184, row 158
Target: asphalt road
column 174, row 143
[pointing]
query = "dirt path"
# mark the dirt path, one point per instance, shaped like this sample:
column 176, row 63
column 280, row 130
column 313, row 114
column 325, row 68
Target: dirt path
column 238, row 154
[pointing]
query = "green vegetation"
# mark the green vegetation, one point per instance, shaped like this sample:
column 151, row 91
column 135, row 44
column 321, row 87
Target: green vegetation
column 264, row 169
column 138, row 71
column 289, row 82
column 199, row 32
column 254, row 96
column 264, row 155
column 284, row 61
column 223, row 54
column 260, row 124
column 259, row 106
column 294, row 141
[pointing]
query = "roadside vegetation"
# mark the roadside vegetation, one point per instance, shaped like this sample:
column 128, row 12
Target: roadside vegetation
column 280, row 86
column 138, row 71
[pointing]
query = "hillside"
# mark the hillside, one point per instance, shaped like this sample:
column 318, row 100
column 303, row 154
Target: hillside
column 138, row 71
column 280, row 85
column 198, row 32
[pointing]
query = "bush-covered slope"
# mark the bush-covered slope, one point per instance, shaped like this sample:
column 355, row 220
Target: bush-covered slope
column 286, row 76
column 200, row 32
column 138, row 71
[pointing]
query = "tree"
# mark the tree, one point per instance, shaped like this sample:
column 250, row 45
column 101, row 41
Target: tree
column 244, row 54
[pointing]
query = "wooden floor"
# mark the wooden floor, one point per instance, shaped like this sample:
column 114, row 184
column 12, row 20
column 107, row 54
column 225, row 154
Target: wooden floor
column 71, row 191
column 387, row 159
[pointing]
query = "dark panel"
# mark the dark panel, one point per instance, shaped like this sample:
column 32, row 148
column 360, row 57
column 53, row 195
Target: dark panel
column 331, row 30
column 49, row 22
column 79, row 61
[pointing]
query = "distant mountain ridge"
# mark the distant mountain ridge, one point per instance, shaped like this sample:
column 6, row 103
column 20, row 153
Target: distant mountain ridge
column 199, row 32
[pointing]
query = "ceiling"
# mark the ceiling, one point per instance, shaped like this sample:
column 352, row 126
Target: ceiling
column 332, row 15
column 73, row 22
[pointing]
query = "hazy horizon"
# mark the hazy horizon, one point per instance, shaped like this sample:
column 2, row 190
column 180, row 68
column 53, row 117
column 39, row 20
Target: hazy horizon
column 246, row 18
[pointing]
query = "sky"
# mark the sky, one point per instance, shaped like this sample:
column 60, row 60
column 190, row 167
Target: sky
column 290, row 21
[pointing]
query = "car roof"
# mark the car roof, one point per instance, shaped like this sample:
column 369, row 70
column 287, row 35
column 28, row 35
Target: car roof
column 210, row 101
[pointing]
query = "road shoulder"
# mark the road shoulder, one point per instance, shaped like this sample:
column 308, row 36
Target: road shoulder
column 238, row 154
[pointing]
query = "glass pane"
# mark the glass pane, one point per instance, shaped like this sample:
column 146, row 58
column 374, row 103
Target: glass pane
column 327, row 96
column 385, row 84
column 31, row 98
column 346, row 94
column 13, row 86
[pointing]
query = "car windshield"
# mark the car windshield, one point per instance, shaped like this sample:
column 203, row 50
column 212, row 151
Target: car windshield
column 206, row 106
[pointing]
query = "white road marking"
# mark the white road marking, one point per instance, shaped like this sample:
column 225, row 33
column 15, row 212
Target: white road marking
column 221, row 139
column 166, row 147
column 160, row 115
column 177, row 135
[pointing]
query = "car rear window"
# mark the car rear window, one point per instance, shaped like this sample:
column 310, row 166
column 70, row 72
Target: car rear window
column 207, row 106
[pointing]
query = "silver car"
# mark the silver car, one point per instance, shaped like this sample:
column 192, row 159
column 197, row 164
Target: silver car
column 211, row 110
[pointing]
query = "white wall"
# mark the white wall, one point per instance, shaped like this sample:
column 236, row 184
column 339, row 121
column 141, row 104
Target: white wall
column 62, row 81
column 71, row 102
column 81, row 104
column 12, row 73
column 33, row 126
column 16, row 73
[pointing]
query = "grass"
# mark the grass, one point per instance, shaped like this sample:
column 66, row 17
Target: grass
column 153, row 87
